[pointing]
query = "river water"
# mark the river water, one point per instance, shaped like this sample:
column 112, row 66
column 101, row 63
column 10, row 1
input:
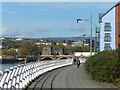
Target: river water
column 6, row 66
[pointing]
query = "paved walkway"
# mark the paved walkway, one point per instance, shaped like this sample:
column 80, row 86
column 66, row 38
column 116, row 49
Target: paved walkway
column 68, row 77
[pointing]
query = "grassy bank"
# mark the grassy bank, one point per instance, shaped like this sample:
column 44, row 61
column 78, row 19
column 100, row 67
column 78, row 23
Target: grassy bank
column 104, row 67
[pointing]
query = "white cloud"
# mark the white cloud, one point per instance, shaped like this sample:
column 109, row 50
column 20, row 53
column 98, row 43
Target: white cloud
column 41, row 29
column 77, row 27
column 15, row 32
column 36, row 31
column 76, row 35
column 12, row 12
column 9, row 31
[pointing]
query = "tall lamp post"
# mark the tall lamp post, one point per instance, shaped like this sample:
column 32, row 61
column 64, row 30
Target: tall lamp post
column 83, row 38
column 91, row 33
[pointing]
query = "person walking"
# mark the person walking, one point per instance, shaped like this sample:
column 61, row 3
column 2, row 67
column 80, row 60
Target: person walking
column 78, row 62
column 74, row 61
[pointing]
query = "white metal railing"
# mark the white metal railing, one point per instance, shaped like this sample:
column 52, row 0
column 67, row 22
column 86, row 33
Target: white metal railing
column 20, row 76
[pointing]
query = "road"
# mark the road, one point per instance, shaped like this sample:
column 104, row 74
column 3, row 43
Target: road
column 68, row 77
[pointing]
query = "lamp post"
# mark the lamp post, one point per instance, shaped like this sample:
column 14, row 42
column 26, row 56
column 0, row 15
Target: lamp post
column 83, row 39
column 92, row 23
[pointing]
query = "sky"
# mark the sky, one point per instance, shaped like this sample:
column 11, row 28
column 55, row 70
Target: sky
column 50, row 19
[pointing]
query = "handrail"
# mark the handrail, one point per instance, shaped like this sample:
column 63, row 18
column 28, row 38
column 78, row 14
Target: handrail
column 20, row 76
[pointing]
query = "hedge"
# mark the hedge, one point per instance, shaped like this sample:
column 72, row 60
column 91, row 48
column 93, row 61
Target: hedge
column 104, row 66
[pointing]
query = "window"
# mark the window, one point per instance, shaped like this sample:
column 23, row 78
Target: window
column 107, row 46
column 119, row 24
column 107, row 27
column 107, row 37
column 119, row 45
column 119, row 35
column 107, row 24
column 107, row 34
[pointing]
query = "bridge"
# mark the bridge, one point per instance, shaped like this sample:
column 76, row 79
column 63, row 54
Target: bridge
column 58, row 57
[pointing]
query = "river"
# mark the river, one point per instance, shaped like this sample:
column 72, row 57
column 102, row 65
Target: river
column 6, row 66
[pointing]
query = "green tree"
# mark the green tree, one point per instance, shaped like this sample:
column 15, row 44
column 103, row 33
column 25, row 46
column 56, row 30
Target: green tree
column 11, row 51
column 4, row 52
column 28, row 47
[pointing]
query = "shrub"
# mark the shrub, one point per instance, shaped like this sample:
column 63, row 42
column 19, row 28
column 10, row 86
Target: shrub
column 104, row 66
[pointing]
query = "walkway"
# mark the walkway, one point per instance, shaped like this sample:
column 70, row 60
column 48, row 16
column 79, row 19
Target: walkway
column 68, row 77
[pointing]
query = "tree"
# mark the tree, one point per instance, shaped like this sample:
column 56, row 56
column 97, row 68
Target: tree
column 22, row 51
column 11, row 51
column 4, row 52
column 28, row 47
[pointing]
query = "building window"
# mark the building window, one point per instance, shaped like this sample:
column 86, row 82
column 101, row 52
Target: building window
column 119, row 45
column 107, row 34
column 107, row 27
column 107, row 37
column 107, row 46
column 119, row 24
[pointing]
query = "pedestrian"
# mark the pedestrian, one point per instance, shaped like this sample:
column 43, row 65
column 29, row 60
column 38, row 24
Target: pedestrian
column 74, row 61
column 78, row 62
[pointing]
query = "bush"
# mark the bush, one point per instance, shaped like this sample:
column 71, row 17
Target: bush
column 31, row 59
column 104, row 66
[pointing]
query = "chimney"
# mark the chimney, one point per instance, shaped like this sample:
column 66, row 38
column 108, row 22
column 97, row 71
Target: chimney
column 100, row 17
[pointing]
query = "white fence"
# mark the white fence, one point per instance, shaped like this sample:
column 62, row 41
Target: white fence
column 20, row 76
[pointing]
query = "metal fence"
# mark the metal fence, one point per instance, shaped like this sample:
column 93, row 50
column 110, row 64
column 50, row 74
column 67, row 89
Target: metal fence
column 20, row 76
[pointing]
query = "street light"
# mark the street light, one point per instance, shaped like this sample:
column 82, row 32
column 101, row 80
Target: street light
column 91, row 34
column 83, row 38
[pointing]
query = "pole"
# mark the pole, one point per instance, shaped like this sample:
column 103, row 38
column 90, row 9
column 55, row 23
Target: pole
column 95, row 39
column 91, row 37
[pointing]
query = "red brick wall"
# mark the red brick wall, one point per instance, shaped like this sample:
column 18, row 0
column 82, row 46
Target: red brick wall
column 117, row 26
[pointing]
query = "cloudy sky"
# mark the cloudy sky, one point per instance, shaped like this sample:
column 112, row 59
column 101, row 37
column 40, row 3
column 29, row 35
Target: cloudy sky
column 50, row 19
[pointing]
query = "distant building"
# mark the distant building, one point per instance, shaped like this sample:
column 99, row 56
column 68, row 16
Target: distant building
column 65, row 44
column 59, row 51
column 110, row 28
column 19, row 39
column 47, row 50
column 86, row 54
column 83, row 42
column 44, row 43
column 76, row 43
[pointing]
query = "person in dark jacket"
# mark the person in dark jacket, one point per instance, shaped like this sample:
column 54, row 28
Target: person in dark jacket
column 74, row 61
column 78, row 62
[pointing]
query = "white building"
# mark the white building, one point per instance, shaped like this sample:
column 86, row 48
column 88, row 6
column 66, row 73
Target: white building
column 19, row 39
column 76, row 43
column 110, row 32
column 43, row 43
column 65, row 44
column 86, row 54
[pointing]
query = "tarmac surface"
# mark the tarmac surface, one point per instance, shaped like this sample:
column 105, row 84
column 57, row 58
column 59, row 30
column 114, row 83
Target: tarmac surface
column 68, row 77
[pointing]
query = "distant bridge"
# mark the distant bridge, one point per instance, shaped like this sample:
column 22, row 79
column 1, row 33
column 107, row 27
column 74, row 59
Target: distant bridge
column 58, row 57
